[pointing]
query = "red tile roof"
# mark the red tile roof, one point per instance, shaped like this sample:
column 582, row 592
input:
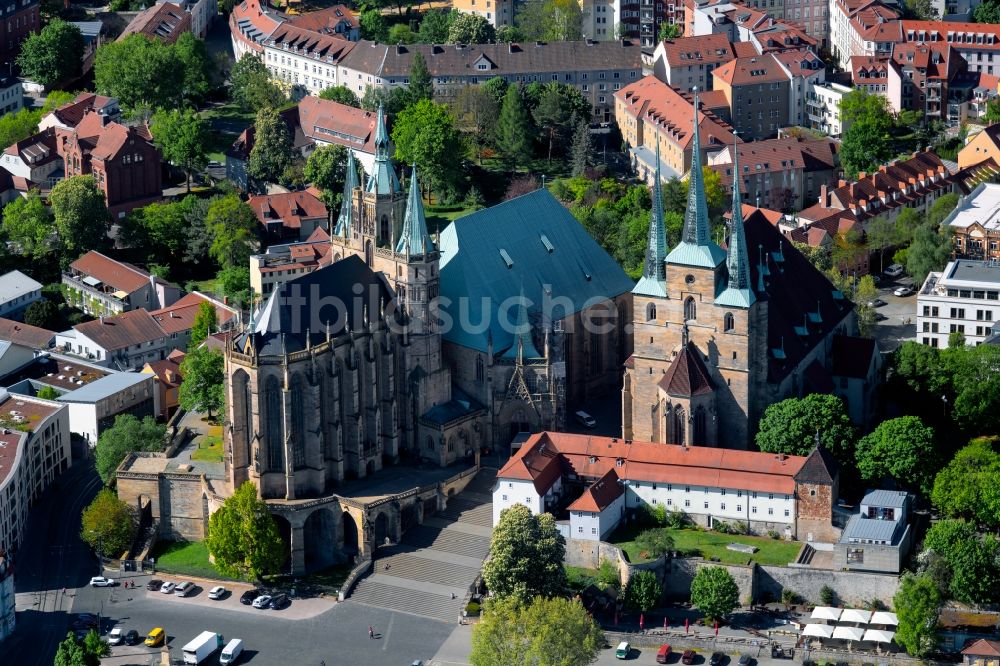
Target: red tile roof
column 940, row 31
column 700, row 50
column 25, row 334
column 687, row 375
column 747, row 71
column 71, row 113
column 539, row 464
column 121, row 276
column 181, row 315
column 122, row 331
column 326, row 20
column 289, row 208
column 866, row 68
column 983, row 647
column 164, row 21
column 168, row 371
column 600, row 495
column 778, row 156
column 333, row 122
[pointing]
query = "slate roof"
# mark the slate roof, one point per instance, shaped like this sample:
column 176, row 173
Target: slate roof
column 860, row 527
column 818, row 468
column 687, row 375
column 852, row 356
column 473, row 261
column 460, row 406
column 599, row 495
column 885, row 498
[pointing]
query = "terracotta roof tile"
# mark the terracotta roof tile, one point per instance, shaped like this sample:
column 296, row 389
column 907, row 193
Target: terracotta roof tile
column 164, row 21
column 687, row 375
column 25, row 334
column 122, row 331
column 983, row 647
column 333, row 122
column 121, row 276
column 700, row 50
column 754, row 70
column 599, row 495
column 326, row 20
column 289, row 208
column 181, row 315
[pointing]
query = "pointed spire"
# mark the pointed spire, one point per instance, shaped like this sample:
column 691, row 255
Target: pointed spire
column 384, row 179
column 414, row 239
column 381, row 135
column 738, row 292
column 345, row 221
column 523, row 346
column 653, row 281
column 696, row 247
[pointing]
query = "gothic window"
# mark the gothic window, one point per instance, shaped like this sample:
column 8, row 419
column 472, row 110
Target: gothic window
column 430, row 443
column 678, row 426
column 690, row 309
column 451, row 445
column 327, row 415
column 596, row 357
column 272, row 425
column 651, row 312
column 700, row 433
column 242, row 410
column 480, row 369
column 729, row 322
column 384, row 230
column 368, row 252
column 298, row 424
column 519, row 423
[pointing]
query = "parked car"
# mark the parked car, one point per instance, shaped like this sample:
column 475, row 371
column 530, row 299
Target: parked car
column 217, row 592
column 904, row 291
column 717, row 659
column 746, row 660
column 132, row 637
column 184, row 589
column 623, row 650
column 84, row 621
column 248, row 597
column 116, row 636
column 876, row 303
column 585, row 419
column 878, row 317
column 155, row 637
column 154, row 584
column 279, row 601
column 101, row 581
column 688, row 657
column 663, row 654
column 894, row 271
column 167, row 588
column 262, row 601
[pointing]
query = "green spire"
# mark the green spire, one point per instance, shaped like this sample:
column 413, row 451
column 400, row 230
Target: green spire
column 653, row 281
column 345, row 219
column 523, row 346
column 414, row 239
column 737, row 292
column 381, row 135
column 696, row 247
column 384, row 179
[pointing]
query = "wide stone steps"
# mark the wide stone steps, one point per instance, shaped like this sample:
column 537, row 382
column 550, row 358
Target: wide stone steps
column 405, row 565
column 450, row 541
column 461, row 509
column 482, row 483
column 417, row 602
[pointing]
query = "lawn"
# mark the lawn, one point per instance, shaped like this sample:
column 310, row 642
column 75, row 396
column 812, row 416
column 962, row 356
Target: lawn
column 186, row 558
column 579, row 578
column 209, row 446
column 699, row 543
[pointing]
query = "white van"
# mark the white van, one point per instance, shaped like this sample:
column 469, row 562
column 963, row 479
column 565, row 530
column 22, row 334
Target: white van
column 585, row 419
column 231, row 653
column 184, row 589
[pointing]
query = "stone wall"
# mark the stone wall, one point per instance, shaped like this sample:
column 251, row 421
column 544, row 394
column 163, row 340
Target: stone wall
column 850, row 587
column 183, row 512
column 681, row 571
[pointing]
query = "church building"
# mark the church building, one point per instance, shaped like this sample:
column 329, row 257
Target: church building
column 720, row 334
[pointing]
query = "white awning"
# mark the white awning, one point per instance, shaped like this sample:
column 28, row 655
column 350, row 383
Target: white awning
column 825, row 613
column 884, row 617
column 849, row 633
column 818, row 630
column 855, row 615
column 879, row 636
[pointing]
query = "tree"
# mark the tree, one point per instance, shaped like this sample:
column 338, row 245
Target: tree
column 864, row 293
column 326, row 168
column 881, row 235
column 987, row 12
column 475, row 111
column 970, row 558
column 918, row 605
column 243, row 537
column 867, row 142
column 791, row 426
column 141, row 73
column 435, row 26
column 643, row 591
column 43, row 314
column 670, row 31
column 82, row 219
column 233, row 227
column 373, row 25
column 509, row 33
column 28, row 224
column 550, row 20
column 250, row 84
column 341, row 94
column 197, row 65
column 541, row 632
column 941, row 208
column 526, row 556
column 655, row 542
column 969, row 486
column 234, row 284
column 52, row 55
column 421, row 87
column 514, row 127
column 425, row 134
column 901, row 448
column 201, row 390
column 87, row 652
column 127, row 435
column 471, row 29
column 921, row 10
column 159, row 229
column 272, row 149
column 401, row 34
column 714, row 592
column 557, row 105
column 581, row 148
column 393, row 100
column 18, row 126
column 108, row 524
column 956, row 339
column 47, row 393
column 206, row 322
column 182, row 137
column 929, row 251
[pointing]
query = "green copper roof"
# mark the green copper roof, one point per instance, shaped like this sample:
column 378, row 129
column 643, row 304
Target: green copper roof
column 414, row 238
column 344, row 220
column 384, row 179
column 523, row 346
column 696, row 247
column 737, row 292
column 653, row 281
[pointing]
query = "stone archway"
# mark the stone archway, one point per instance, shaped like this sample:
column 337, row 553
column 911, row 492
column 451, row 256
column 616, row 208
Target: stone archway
column 350, row 529
column 320, row 536
column 285, row 530
column 381, row 529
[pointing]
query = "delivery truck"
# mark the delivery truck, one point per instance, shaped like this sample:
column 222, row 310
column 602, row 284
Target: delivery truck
column 201, row 647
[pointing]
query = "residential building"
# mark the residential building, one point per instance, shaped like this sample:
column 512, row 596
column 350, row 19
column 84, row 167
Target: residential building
column 856, row 371
column 758, row 91
column 878, row 537
column 823, row 107
column 805, row 71
column 281, row 263
column 8, row 614
column 96, row 396
column 764, row 28
column 862, row 27
column 600, row 18
column 960, row 299
column 17, row 292
column 131, row 339
column 708, row 357
column 167, row 379
column 164, row 21
column 978, row 43
column 289, row 216
column 501, row 12
column 687, row 62
column 25, row 334
column 592, row 483
column 11, row 94
column 872, row 75
column 781, row 174
column 335, row 20
column 202, row 12
column 18, row 20
column 34, row 163
column 933, row 80
column 34, row 450
column 93, row 37
column 981, row 652
column 980, row 147
column 303, row 61
column 986, row 91
column 69, row 115
column 654, row 116
column 100, row 285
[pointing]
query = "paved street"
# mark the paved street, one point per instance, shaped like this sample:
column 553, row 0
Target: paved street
column 895, row 330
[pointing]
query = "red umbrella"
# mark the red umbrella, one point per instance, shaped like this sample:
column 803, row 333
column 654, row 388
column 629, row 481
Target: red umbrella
column 642, row 622
column 716, row 627
column 686, row 624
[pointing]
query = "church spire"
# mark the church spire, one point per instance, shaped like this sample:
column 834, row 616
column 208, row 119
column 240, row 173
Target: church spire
column 653, row 281
column 381, row 135
column 696, row 247
column 414, row 239
column 737, row 292
column 345, row 221
column 522, row 347
column 384, row 179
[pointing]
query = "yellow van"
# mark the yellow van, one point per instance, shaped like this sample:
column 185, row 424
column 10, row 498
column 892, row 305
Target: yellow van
column 155, row 637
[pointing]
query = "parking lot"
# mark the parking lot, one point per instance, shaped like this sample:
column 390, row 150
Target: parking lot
column 900, row 312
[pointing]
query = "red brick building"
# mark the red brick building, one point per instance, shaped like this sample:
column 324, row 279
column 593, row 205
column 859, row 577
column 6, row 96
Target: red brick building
column 18, row 19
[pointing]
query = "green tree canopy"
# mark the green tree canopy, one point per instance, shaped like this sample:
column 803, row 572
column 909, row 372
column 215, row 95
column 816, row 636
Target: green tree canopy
column 435, row 26
column 160, row 229
column 233, row 228
column 580, row 154
column 475, row 112
column 28, row 224
column 108, row 524
column 421, row 86
column 969, row 486
column 670, row 31
column 902, row 449
column 52, row 55
column 918, row 605
column 326, row 168
column 987, row 12
column 206, row 322
column 867, row 143
column 86, row 652
column 714, row 592
column 272, row 149
column 425, row 134
column 471, row 29
column 559, row 104
column 202, row 390
column 234, row 283
column 141, row 73
column 550, row 20
column 243, row 537
column 540, row 632
column 81, row 217
column 251, row 86
column 126, row 436
column 643, row 591
column 43, row 314
column 401, row 33
column 970, row 558
column 341, row 94
column 373, row 25
column 790, row 427
column 509, row 33
column 514, row 127
column 47, row 393
column 526, row 556
column 197, row 66
column 182, row 137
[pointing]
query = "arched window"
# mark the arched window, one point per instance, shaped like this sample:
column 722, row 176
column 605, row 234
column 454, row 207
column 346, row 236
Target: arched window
column 700, row 434
column 384, row 230
column 298, row 423
column 678, row 427
column 430, row 443
column 273, row 430
column 651, row 312
column 690, row 309
column 729, row 322
column 368, row 252
column 480, row 369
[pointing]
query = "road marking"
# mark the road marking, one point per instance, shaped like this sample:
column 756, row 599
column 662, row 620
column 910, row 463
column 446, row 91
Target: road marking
column 385, row 636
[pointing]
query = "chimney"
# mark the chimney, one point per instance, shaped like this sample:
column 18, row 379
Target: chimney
column 824, row 195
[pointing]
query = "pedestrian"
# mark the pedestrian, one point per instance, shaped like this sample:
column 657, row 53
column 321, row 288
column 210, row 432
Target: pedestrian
column 371, row 632
column 64, row 590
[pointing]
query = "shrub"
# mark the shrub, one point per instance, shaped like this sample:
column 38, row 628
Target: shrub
column 472, row 608
column 827, row 597
column 607, row 575
column 774, row 534
column 677, row 519
column 655, row 542
column 790, row 596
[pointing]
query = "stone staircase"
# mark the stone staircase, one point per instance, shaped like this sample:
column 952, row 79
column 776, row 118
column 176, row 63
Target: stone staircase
column 435, row 560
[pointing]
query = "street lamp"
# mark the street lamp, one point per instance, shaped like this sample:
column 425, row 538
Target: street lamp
column 944, row 405
column 543, row 181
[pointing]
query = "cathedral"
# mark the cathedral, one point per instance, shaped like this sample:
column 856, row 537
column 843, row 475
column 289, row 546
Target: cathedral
column 720, row 334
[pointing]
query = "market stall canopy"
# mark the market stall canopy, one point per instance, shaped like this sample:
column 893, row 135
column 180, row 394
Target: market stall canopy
column 818, row 631
column 855, row 615
column 879, row 636
column 884, row 617
column 849, row 633
column 826, row 613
